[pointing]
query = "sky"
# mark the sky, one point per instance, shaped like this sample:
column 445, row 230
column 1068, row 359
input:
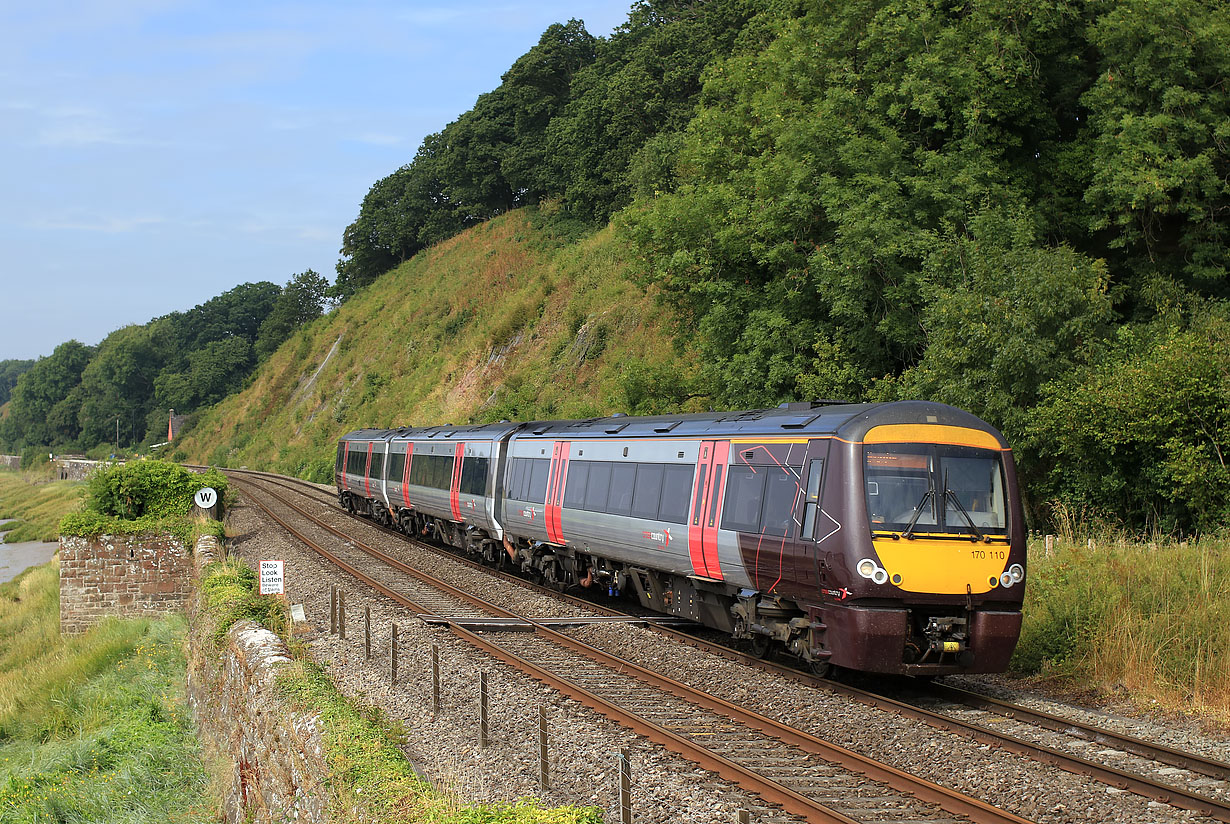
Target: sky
column 155, row 153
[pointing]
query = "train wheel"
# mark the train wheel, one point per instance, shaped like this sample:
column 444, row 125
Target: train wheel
column 760, row 645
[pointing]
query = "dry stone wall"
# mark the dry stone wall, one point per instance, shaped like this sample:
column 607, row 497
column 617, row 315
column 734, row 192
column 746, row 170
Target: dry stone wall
column 129, row 576
column 10, row 462
column 277, row 768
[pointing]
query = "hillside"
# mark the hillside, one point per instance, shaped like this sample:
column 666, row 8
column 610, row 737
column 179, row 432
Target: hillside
column 507, row 320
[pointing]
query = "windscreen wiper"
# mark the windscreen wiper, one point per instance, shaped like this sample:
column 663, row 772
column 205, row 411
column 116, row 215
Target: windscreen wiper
column 908, row 534
column 949, row 495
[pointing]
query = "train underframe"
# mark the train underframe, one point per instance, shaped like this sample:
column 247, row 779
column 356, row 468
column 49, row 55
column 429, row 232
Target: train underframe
column 922, row 640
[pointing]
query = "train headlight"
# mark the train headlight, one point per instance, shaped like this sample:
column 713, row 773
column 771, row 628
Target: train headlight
column 1006, row 580
column 879, row 576
column 867, row 568
column 1017, row 572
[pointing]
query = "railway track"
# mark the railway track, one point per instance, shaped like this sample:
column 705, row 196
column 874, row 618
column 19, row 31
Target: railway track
column 1162, row 774
column 803, row 774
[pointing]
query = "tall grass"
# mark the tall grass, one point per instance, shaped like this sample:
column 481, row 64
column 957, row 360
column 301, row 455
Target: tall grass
column 38, row 505
column 93, row 727
column 1147, row 620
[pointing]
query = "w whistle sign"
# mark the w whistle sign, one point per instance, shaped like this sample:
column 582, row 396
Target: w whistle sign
column 206, row 498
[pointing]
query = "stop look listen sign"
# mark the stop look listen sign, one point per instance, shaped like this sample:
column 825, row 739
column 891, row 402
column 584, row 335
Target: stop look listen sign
column 273, row 576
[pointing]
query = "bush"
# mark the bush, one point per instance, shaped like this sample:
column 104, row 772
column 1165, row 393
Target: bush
column 157, row 489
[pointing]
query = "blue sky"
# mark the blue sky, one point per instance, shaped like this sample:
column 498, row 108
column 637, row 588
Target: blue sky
column 154, row 154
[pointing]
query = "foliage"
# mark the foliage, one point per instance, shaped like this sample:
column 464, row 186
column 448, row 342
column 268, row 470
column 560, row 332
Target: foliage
column 229, row 594
column 38, row 507
column 10, row 371
column 150, row 488
column 44, row 407
column 301, row 300
column 1146, row 621
column 93, row 727
column 1143, row 434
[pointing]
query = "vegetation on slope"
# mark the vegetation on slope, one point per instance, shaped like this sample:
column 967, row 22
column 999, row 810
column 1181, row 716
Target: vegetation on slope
column 507, row 321
column 94, row 727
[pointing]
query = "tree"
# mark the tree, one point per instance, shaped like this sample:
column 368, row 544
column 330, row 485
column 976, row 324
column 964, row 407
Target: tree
column 10, row 371
column 42, row 410
column 302, row 300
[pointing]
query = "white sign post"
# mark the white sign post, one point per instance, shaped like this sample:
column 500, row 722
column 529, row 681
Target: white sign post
column 206, row 497
column 273, row 576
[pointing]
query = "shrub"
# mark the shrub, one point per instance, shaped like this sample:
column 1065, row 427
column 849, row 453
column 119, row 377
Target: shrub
column 157, row 489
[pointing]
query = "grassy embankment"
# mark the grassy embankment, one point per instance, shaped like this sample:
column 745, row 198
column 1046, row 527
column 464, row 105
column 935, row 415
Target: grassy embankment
column 504, row 321
column 1145, row 622
column 37, row 505
column 93, row 727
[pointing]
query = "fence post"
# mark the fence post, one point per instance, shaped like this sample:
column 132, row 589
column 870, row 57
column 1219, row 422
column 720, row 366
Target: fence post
column 1050, row 545
column 435, row 678
column 743, row 817
column 367, row 633
column 625, row 787
column 332, row 609
column 482, row 710
column 544, row 776
column 393, row 657
column 341, row 614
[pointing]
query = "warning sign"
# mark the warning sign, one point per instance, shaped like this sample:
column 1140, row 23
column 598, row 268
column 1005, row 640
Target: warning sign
column 273, row 576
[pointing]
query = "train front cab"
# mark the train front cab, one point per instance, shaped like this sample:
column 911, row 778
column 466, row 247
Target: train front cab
column 936, row 558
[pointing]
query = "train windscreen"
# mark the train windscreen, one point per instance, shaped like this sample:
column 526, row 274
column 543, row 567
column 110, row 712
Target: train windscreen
column 934, row 488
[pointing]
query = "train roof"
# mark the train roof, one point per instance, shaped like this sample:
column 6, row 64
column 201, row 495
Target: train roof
column 848, row 421
column 815, row 418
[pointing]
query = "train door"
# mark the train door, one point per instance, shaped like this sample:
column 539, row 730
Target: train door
column 817, row 527
column 454, row 488
column 555, row 492
column 706, row 505
column 405, row 475
column 367, row 475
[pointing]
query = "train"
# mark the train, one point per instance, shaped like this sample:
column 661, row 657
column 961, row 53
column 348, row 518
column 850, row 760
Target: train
column 880, row 538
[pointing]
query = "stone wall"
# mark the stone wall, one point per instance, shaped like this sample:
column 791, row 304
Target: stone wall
column 124, row 575
column 10, row 462
column 277, row 769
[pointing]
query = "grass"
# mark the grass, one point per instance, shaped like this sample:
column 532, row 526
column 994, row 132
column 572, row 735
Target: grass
column 503, row 321
column 1142, row 620
column 93, row 727
column 36, row 504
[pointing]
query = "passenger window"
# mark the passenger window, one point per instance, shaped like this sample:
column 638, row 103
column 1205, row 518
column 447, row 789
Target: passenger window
column 574, row 493
column 648, row 491
column 744, row 492
column 537, row 491
column 377, row 464
column 397, row 465
column 676, row 486
column 598, row 487
column 623, row 479
column 781, row 493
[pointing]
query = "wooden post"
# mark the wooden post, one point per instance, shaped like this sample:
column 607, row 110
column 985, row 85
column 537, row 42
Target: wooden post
column 544, row 776
column 332, row 610
column 1050, row 545
column 435, row 678
column 393, row 657
column 341, row 614
column 482, row 710
column 743, row 817
column 625, row 788
column 367, row 633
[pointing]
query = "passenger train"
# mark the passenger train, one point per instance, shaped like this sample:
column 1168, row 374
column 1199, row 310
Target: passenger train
column 875, row 537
